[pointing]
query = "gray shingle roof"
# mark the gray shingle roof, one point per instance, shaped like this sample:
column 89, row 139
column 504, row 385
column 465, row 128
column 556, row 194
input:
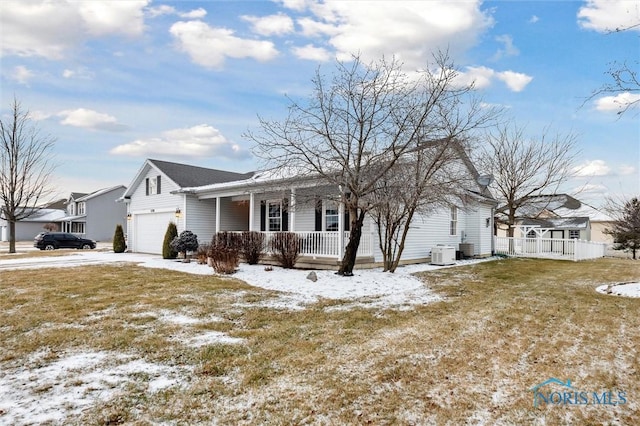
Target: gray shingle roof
column 559, row 222
column 189, row 176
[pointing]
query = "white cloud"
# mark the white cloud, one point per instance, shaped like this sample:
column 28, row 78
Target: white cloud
column 626, row 170
column 514, row 80
column 483, row 77
column 533, row 19
column 82, row 73
column 312, row 53
column 194, row 14
column 406, row 29
column 279, row 24
column 161, row 10
column 197, row 141
column 89, row 119
column 113, row 17
column 480, row 76
column 22, row 74
column 210, row 46
column 508, row 48
column 170, row 10
column 591, row 189
column 618, row 102
column 609, row 15
column 49, row 29
column 592, row 168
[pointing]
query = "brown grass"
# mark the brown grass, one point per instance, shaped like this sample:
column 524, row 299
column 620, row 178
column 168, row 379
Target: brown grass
column 503, row 327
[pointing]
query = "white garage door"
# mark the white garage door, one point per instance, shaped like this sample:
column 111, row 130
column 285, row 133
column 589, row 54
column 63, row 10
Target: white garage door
column 149, row 231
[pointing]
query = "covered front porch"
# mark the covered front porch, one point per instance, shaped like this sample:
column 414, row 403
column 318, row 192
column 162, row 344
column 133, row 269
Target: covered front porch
column 322, row 226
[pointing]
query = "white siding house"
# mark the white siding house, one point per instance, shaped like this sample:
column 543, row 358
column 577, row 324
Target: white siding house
column 208, row 201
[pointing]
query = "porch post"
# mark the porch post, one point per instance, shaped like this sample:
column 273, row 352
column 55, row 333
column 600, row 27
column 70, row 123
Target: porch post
column 251, row 214
column 292, row 211
column 217, row 214
column 340, row 230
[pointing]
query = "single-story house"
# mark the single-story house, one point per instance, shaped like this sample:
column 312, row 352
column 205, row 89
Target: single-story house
column 206, row 201
column 95, row 215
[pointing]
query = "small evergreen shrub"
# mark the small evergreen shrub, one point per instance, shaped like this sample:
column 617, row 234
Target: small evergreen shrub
column 286, row 248
column 187, row 241
column 224, row 252
column 119, row 245
column 252, row 246
column 167, row 251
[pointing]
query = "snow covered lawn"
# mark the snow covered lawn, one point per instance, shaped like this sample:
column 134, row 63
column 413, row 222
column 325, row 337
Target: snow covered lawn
column 122, row 339
column 370, row 287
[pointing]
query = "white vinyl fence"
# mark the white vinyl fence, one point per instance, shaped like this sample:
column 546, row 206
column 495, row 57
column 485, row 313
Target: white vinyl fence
column 550, row 248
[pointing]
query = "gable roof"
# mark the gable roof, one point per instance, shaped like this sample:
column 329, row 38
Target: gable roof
column 75, row 195
column 187, row 176
column 100, row 192
column 184, row 175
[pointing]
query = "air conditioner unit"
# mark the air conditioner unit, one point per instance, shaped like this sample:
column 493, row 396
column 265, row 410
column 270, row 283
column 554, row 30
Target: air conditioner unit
column 443, row 255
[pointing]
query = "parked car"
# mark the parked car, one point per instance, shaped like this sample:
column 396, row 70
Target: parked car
column 56, row 240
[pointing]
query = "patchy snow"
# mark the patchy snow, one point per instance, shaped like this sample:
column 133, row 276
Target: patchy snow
column 52, row 392
column 624, row 289
column 368, row 287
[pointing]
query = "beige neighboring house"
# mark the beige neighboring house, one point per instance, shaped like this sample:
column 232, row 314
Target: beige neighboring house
column 562, row 216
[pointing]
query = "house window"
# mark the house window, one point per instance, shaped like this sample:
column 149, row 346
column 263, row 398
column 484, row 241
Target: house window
column 574, row 234
column 77, row 227
column 531, row 234
column 274, row 209
column 80, row 208
column 331, row 214
column 453, row 229
column 153, row 186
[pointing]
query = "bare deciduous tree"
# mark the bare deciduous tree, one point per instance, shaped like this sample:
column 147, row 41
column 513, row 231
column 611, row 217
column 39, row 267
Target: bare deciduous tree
column 355, row 128
column 25, row 168
column 432, row 176
column 524, row 168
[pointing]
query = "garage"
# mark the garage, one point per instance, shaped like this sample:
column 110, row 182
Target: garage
column 149, row 230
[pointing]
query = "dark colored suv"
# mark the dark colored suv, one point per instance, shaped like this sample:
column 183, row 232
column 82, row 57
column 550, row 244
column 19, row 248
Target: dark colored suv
column 55, row 240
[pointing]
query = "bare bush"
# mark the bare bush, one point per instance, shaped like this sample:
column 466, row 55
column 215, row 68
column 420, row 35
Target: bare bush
column 202, row 253
column 252, row 246
column 224, row 252
column 286, row 248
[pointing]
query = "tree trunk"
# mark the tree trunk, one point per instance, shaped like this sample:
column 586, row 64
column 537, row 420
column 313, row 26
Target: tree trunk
column 12, row 236
column 351, row 251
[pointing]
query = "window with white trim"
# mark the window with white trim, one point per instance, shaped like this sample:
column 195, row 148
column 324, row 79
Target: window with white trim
column 331, row 216
column 81, row 208
column 153, row 185
column 574, row 234
column 274, row 216
column 532, row 234
column 453, row 228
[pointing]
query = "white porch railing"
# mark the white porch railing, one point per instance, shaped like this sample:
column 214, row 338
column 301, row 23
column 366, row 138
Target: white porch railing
column 551, row 248
column 327, row 244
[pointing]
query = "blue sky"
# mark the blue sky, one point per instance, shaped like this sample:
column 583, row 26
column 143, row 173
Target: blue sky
column 120, row 81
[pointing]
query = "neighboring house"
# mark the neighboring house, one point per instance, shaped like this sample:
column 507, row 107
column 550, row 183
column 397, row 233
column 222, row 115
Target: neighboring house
column 558, row 216
column 28, row 228
column 205, row 201
column 95, row 215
